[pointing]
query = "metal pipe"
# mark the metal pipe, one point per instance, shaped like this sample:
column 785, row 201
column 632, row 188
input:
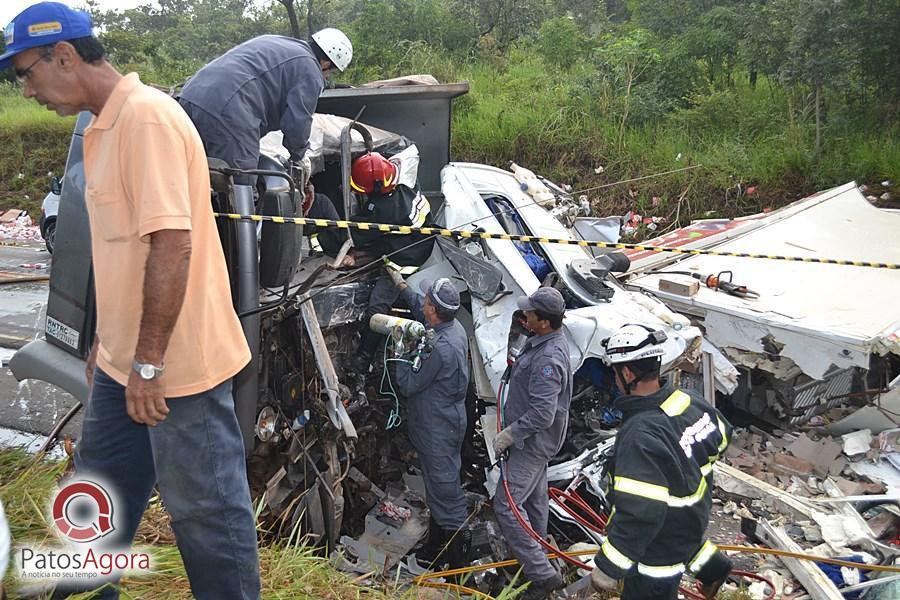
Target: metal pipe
column 246, row 383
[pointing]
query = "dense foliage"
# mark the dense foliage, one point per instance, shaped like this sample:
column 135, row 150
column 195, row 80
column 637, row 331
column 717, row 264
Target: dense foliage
column 786, row 96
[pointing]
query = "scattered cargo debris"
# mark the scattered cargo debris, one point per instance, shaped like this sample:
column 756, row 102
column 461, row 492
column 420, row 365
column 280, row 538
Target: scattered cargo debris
column 16, row 225
column 819, row 336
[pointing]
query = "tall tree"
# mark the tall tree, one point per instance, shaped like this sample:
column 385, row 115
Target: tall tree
column 628, row 58
column 292, row 16
column 506, row 20
column 817, row 50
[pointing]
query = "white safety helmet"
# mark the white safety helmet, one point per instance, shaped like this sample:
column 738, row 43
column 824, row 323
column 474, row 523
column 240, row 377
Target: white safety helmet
column 335, row 45
column 633, row 342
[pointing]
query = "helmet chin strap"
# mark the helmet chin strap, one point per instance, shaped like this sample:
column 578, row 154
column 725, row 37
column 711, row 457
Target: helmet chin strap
column 626, row 385
column 638, row 375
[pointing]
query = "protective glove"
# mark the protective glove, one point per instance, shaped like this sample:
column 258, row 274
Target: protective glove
column 503, row 441
column 395, row 276
column 603, row 582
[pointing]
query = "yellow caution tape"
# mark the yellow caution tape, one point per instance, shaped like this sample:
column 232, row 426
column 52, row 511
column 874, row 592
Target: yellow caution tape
column 484, row 235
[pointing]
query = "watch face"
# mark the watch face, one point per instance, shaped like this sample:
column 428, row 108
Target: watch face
column 148, row 372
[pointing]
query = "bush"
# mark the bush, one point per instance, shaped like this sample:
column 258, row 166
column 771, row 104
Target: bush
column 560, row 42
column 34, row 144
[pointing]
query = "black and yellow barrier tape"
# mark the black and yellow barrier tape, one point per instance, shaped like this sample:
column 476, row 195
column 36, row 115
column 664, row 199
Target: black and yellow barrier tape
column 484, row 235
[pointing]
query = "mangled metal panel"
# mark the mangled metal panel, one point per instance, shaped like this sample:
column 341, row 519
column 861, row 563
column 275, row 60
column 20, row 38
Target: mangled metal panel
column 334, row 405
column 464, row 186
column 325, row 145
column 820, row 316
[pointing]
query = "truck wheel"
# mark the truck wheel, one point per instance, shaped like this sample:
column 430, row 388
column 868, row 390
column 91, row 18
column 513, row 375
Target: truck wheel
column 50, row 234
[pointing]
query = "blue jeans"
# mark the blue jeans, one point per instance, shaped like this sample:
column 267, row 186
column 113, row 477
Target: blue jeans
column 196, row 456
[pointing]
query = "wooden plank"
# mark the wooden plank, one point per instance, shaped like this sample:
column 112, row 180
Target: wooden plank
column 733, row 481
column 10, row 277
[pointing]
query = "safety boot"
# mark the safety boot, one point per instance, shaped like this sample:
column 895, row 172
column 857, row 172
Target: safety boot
column 362, row 362
column 714, row 574
column 460, row 546
column 458, row 551
column 431, row 554
column 541, row 589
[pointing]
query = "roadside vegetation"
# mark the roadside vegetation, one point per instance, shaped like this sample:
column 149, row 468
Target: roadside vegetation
column 33, row 146
column 289, row 569
column 776, row 99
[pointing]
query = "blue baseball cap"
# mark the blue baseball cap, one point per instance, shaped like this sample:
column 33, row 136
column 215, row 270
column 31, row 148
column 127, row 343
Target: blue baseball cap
column 43, row 24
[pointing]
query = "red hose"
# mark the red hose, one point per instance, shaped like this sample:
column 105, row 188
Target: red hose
column 515, row 508
column 593, row 520
column 599, row 524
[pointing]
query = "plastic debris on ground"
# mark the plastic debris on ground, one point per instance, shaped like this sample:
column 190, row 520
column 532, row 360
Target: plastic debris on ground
column 17, row 225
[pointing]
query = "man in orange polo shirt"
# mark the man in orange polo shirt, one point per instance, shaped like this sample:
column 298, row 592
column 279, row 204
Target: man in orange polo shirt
column 168, row 341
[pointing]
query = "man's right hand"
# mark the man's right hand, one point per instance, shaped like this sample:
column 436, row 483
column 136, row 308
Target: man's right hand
column 395, row 276
column 91, row 364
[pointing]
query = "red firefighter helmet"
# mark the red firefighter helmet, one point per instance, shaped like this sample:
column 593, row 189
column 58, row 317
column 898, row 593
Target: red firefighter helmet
column 372, row 172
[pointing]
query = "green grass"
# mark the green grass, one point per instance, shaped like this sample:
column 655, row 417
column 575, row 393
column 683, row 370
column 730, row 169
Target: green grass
column 565, row 124
column 524, row 111
column 34, row 143
column 289, row 570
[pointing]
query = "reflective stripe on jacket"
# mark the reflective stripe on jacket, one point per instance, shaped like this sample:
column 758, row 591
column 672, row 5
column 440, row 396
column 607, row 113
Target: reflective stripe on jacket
column 662, row 483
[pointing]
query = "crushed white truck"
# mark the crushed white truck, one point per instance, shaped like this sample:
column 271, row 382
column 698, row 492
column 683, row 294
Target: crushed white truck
column 319, row 447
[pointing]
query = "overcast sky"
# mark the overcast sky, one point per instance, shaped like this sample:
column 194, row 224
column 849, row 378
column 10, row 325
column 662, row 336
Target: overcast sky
column 10, row 8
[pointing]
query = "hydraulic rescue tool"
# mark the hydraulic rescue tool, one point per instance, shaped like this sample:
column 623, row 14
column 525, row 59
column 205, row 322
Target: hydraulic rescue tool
column 721, row 282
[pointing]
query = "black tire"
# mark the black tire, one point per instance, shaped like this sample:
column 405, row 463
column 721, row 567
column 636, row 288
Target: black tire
column 50, row 234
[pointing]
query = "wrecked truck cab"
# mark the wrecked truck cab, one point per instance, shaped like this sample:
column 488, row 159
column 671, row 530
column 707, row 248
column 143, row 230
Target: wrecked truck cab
column 324, row 454
column 492, row 200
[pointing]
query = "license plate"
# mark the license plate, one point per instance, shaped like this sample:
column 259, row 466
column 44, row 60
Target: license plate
column 62, row 332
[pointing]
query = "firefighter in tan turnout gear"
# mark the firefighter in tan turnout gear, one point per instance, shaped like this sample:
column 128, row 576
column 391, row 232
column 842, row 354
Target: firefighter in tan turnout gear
column 661, row 479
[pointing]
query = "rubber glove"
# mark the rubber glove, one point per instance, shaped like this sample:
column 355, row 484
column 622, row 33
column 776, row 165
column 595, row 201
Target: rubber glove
column 503, row 441
column 603, row 582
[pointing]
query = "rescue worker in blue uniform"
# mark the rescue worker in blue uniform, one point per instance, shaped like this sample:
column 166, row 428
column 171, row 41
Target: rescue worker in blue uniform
column 436, row 422
column 535, row 415
column 661, row 479
column 268, row 83
column 387, row 192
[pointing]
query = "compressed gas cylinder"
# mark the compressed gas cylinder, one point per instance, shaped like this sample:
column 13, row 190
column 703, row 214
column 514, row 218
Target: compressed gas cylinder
column 402, row 330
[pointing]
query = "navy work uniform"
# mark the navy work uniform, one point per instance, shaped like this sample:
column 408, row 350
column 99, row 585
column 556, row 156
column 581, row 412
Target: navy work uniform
column 536, row 410
column 662, row 493
column 268, row 83
column 387, row 192
column 403, row 206
column 436, row 404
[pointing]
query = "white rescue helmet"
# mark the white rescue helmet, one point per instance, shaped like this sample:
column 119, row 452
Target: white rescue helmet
column 633, row 342
column 335, row 45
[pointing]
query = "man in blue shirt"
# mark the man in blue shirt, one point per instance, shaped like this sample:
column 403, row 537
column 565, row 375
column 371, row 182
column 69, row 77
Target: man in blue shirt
column 535, row 415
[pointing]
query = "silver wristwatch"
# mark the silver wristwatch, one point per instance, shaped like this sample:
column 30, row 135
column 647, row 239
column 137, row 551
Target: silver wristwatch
column 148, row 371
